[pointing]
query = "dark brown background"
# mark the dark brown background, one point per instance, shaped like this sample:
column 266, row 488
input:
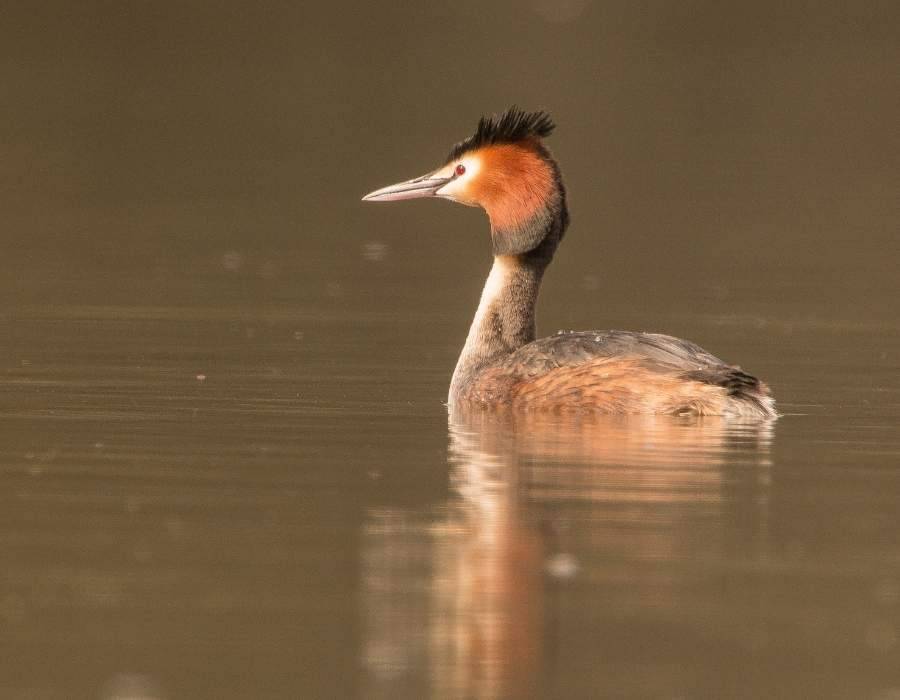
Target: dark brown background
column 223, row 448
column 703, row 142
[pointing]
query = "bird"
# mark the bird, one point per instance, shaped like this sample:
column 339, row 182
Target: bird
column 506, row 169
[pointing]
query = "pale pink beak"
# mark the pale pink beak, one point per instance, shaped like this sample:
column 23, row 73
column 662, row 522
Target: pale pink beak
column 425, row 186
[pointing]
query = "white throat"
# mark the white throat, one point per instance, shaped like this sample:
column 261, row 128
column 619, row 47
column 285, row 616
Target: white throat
column 473, row 352
column 496, row 283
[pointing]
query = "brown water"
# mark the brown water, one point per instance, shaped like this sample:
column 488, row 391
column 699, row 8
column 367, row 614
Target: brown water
column 226, row 470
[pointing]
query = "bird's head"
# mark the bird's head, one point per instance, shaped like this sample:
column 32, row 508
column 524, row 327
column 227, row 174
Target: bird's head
column 505, row 169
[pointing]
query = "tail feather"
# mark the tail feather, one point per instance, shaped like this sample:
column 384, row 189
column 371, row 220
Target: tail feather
column 754, row 395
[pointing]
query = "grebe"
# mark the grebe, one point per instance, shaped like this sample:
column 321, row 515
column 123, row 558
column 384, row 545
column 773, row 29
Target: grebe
column 506, row 169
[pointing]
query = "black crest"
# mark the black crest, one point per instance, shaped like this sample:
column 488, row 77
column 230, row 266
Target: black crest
column 510, row 126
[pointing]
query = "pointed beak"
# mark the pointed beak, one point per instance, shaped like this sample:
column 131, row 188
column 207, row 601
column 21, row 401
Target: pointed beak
column 425, row 186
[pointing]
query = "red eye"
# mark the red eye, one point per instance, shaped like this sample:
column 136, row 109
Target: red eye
column 460, row 170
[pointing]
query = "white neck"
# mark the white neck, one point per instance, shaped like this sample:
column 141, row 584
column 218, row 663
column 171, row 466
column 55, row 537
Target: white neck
column 504, row 320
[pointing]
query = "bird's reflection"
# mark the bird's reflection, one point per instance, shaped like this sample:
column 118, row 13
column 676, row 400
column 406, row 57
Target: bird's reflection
column 465, row 602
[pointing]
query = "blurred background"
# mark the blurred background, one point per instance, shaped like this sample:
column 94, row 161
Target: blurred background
column 224, row 464
column 705, row 145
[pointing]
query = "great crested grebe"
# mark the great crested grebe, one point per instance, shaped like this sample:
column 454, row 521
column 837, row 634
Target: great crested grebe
column 505, row 169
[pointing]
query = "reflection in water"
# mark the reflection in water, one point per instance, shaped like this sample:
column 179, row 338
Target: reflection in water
column 132, row 686
column 471, row 601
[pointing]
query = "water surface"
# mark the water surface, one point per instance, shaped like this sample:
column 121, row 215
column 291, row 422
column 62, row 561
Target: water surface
column 270, row 502
column 226, row 470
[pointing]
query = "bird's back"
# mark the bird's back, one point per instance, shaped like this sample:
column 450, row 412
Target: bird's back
column 618, row 372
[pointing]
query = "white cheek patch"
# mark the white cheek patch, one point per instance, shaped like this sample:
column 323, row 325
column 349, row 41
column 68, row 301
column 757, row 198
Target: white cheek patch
column 457, row 188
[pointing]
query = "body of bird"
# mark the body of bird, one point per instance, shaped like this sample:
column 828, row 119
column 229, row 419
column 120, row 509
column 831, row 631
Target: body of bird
column 506, row 169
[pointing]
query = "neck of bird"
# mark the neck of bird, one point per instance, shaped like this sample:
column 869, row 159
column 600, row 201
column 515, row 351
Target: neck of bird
column 505, row 319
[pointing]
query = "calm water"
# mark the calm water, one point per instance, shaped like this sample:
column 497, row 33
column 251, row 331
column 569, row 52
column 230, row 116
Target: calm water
column 225, row 466
column 224, row 502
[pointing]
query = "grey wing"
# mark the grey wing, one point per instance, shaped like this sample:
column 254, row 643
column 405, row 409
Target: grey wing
column 654, row 351
column 571, row 348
